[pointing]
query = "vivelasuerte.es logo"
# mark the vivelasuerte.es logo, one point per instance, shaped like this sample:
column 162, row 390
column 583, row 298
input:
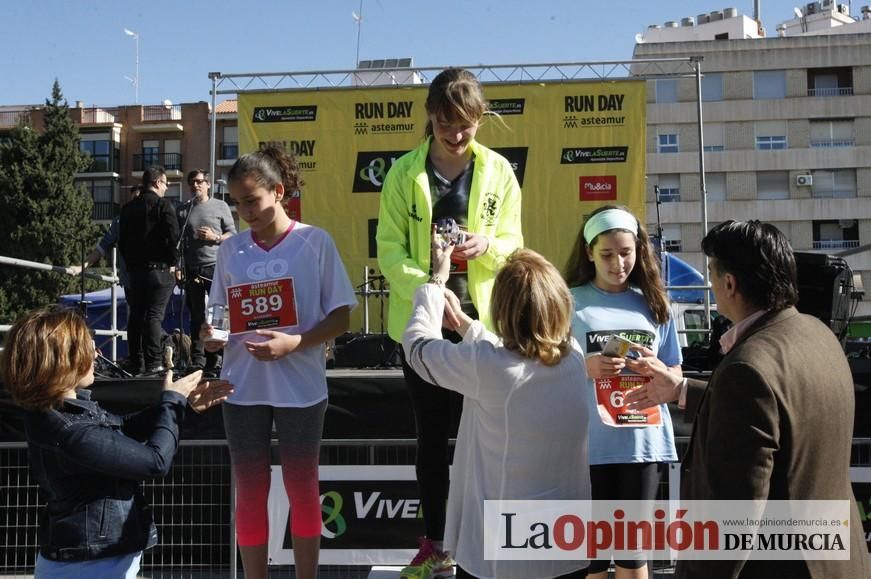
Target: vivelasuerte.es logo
column 286, row 114
column 505, row 107
column 597, row 188
column 371, row 168
column 585, row 155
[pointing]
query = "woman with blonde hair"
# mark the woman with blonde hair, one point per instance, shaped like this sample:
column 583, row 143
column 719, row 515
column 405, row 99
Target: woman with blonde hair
column 523, row 431
column 88, row 462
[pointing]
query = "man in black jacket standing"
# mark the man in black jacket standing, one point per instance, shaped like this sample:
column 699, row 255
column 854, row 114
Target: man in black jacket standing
column 149, row 234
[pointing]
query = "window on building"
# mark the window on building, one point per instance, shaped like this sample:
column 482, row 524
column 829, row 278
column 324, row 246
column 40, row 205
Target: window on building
column 667, row 143
column 834, row 81
column 103, row 193
column 835, row 184
column 772, row 185
column 669, row 188
column 230, row 143
column 150, row 154
column 715, row 184
column 715, row 137
column 100, row 152
column 836, row 234
column 671, row 238
column 769, row 84
column 770, row 135
column 832, row 133
column 771, row 143
column 712, row 86
column 172, row 155
column 666, row 90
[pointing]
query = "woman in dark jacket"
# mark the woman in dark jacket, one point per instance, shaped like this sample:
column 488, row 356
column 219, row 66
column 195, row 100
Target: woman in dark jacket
column 88, row 463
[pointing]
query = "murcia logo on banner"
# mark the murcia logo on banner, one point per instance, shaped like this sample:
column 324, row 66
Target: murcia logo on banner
column 304, row 151
column 583, row 155
column 370, row 118
column 288, row 114
column 371, row 168
column 507, row 106
column 517, row 158
column 598, row 188
column 591, row 103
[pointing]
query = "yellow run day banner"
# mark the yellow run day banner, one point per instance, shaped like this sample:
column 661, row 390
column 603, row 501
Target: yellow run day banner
column 574, row 146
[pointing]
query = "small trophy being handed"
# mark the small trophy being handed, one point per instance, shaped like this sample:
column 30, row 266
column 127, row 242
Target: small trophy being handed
column 217, row 318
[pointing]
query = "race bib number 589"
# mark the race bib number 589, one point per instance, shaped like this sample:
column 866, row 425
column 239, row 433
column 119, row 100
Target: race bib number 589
column 262, row 305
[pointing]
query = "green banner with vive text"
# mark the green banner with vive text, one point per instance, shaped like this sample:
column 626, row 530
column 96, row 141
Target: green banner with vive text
column 574, row 146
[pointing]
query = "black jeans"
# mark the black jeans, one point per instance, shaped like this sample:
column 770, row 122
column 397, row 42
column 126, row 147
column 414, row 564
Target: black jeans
column 436, row 418
column 198, row 283
column 150, row 291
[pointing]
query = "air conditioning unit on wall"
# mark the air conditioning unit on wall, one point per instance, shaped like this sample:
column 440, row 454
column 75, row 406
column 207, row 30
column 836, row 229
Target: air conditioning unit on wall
column 804, row 180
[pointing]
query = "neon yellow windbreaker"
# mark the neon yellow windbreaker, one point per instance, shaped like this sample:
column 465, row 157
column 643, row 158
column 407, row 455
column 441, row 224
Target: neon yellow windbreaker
column 404, row 229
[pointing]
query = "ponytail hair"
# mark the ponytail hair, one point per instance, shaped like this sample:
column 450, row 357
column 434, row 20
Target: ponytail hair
column 268, row 167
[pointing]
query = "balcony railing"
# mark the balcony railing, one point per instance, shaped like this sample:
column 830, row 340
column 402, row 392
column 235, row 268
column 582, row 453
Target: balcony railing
column 98, row 116
column 669, row 196
column 836, row 243
column 104, row 211
column 827, row 143
column 169, row 161
column 836, row 91
column 12, row 118
column 161, row 113
column 229, row 150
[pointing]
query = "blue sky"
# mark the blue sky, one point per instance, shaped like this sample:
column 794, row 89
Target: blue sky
column 82, row 42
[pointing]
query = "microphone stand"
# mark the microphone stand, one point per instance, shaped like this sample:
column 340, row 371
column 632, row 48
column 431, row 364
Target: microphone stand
column 180, row 247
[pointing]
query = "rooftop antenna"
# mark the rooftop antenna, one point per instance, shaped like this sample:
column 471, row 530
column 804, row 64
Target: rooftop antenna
column 358, row 18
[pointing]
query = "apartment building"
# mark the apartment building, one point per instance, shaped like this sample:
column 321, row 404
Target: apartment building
column 786, row 131
column 122, row 141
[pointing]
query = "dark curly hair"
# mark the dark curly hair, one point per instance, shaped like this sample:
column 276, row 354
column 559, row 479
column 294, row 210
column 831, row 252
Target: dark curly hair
column 269, row 166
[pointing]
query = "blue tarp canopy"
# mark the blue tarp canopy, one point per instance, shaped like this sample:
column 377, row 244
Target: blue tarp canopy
column 100, row 314
column 676, row 271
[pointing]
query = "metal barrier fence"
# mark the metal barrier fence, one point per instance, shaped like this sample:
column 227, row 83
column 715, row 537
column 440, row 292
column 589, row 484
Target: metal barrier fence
column 192, row 505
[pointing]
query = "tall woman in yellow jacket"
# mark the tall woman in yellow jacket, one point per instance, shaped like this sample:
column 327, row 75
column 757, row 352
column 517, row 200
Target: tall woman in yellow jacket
column 450, row 175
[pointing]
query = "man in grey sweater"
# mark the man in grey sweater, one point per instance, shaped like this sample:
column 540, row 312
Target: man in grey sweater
column 206, row 222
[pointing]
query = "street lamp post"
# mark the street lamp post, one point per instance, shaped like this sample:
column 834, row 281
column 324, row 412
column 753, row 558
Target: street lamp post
column 135, row 79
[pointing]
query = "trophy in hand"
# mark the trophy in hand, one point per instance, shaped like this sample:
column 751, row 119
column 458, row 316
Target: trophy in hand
column 217, row 318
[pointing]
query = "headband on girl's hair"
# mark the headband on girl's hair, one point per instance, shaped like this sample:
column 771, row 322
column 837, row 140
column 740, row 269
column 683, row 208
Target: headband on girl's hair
column 608, row 220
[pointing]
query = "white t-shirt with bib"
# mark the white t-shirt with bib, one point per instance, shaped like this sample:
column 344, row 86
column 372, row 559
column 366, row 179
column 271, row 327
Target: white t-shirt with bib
column 306, row 256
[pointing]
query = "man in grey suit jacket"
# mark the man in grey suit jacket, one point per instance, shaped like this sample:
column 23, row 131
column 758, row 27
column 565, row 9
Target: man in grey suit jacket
column 775, row 421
